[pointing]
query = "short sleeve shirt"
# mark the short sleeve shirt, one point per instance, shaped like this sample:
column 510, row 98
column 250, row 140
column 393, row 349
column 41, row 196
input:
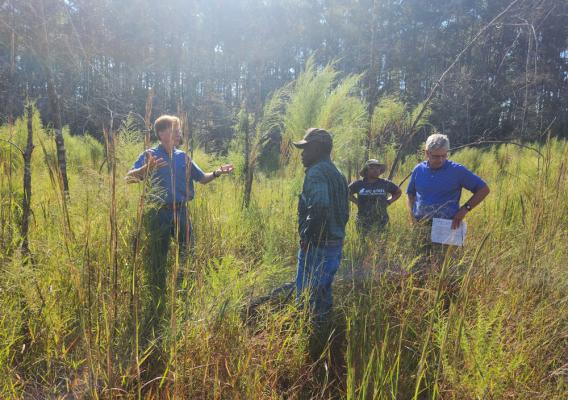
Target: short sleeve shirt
column 173, row 183
column 372, row 199
column 438, row 191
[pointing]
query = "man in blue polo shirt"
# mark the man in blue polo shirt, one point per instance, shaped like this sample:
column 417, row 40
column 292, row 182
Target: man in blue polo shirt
column 435, row 186
column 171, row 174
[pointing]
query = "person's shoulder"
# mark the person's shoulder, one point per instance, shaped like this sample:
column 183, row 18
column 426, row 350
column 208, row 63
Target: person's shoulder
column 316, row 171
column 181, row 156
column 356, row 184
column 178, row 152
column 324, row 170
column 456, row 166
column 320, row 166
column 386, row 182
column 157, row 150
column 336, row 169
column 338, row 173
column 421, row 166
column 151, row 150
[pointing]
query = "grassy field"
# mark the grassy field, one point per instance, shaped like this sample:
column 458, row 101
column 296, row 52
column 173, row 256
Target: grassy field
column 70, row 317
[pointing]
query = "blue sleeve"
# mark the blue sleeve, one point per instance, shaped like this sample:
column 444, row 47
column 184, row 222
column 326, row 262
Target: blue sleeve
column 411, row 189
column 196, row 173
column 470, row 181
column 140, row 161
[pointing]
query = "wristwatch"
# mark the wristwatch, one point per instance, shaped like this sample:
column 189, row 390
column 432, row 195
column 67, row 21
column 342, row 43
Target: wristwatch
column 467, row 207
column 215, row 174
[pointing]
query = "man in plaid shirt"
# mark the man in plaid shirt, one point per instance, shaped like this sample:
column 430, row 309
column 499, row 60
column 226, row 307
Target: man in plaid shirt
column 323, row 212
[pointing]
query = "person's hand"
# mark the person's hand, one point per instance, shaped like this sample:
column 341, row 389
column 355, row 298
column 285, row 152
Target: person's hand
column 154, row 162
column 460, row 215
column 225, row 169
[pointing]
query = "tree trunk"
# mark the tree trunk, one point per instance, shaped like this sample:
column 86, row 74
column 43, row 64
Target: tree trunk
column 12, row 93
column 26, row 206
column 58, row 129
column 248, row 169
column 54, row 105
column 147, row 118
column 372, row 77
column 253, row 106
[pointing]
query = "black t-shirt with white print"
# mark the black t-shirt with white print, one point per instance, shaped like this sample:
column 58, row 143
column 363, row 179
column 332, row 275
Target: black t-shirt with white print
column 372, row 200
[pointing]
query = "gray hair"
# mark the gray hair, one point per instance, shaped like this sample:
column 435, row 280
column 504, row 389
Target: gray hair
column 437, row 141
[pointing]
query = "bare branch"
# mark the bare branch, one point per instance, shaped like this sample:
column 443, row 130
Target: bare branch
column 484, row 142
column 412, row 130
column 13, row 144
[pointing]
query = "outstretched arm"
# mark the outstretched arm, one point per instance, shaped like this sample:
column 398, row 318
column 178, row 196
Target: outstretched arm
column 222, row 170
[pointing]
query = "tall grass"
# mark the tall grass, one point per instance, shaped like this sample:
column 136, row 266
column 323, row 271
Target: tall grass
column 68, row 323
column 319, row 98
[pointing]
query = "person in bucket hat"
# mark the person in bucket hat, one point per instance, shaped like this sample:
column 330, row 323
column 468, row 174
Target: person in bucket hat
column 373, row 195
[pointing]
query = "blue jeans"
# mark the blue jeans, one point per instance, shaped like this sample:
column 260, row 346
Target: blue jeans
column 316, row 269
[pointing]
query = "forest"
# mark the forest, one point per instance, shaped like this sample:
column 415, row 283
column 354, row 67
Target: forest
column 81, row 84
column 103, row 59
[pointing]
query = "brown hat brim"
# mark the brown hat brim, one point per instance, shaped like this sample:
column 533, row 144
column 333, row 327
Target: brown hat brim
column 363, row 171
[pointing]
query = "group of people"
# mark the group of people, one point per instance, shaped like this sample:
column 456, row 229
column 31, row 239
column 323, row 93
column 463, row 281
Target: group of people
column 434, row 191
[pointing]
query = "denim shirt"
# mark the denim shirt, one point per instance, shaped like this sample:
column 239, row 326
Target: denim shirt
column 323, row 208
column 171, row 181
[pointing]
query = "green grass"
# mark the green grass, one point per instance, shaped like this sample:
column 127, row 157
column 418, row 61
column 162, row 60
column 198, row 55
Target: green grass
column 68, row 320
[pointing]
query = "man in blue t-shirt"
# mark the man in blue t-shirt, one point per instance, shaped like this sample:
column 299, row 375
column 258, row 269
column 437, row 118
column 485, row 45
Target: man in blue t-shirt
column 434, row 191
column 436, row 184
column 170, row 173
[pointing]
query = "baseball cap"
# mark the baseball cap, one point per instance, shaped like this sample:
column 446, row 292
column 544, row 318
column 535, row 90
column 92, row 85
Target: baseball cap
column 315, row 135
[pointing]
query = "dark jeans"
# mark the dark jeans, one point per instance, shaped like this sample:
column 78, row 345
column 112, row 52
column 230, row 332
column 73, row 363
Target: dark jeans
column 162, row 224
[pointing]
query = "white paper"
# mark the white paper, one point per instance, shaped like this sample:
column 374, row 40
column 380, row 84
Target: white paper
column 443, row 233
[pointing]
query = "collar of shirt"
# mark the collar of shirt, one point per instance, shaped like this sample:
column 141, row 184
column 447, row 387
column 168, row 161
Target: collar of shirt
column 444, row 165
column 162, row 151
column 324, row 159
